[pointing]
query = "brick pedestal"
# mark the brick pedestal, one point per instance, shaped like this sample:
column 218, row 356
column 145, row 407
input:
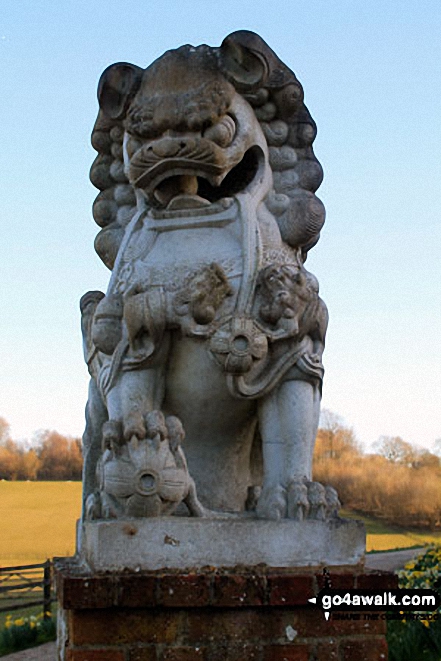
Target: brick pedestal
column 258, row 614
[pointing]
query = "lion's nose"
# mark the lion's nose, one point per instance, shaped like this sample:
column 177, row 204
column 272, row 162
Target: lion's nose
column 166, row 147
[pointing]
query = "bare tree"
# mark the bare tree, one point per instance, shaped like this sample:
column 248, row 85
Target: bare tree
column 330, row 425
column 394, row 449
column 4, row 431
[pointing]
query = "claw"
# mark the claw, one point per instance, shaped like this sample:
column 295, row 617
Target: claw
column 317, row 501
column 298, row 503
column 272, row 503
column 134, row 426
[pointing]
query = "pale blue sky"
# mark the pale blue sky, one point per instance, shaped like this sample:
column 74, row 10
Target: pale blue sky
column 371, row 70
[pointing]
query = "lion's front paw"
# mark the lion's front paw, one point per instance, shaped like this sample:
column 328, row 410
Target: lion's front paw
column 272, row 503
column 311, row 500
column 301, row 500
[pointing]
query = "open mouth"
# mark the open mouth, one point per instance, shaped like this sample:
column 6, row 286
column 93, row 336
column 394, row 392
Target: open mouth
column 184, row 185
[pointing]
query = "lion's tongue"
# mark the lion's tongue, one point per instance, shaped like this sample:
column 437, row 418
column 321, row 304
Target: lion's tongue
column 180, row 192
column 187, row 202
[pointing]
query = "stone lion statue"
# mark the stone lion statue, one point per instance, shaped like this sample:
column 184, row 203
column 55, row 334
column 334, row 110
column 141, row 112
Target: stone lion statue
column 211, row 327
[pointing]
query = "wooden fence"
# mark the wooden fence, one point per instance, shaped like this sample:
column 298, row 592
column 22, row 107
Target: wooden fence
column 25, row 586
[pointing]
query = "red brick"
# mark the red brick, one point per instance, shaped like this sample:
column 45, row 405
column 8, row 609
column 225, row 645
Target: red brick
column 311, row 623
column 245, row 625
column 286, row 653
column 326, row 650
column 338, row 581
column 378, row 581
column 143, row 654
column 131, row 590
column 114, row 626
column 239, row 590
column 289, row 590
column 224, row 625
column 238, row 652
column 95, row 655
column 136, row 590
column 372, row 649
column 185, row 590
column 249, row 625
column 184, row 654
column 86, row 592
column 375, row 626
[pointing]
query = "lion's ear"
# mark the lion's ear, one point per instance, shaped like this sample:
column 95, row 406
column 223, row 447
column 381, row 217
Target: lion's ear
column 118, row 84
column 243, row 59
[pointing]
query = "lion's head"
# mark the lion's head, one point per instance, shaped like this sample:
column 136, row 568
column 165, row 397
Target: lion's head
column 201, row 124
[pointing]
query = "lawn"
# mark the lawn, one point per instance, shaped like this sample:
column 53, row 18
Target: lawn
column 382, row 536
column 37, row 521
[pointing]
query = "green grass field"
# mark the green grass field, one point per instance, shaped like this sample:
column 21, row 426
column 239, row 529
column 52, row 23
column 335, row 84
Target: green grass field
column 37, row 521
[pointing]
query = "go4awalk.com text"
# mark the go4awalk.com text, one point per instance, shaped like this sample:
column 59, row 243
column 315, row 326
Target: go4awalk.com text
column 401, row 602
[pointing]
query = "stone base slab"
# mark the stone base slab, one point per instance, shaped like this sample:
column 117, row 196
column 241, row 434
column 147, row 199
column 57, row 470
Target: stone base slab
column 189, row 543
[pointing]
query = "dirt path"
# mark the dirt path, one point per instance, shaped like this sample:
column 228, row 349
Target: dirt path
column 391, row 560
column 45, row 652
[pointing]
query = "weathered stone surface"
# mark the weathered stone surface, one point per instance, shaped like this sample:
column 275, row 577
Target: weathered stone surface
column 207, row 202
column 205, row 353
column 177, row 542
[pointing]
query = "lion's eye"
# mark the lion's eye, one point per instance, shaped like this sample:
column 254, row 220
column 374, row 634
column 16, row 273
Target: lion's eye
column 223, row 132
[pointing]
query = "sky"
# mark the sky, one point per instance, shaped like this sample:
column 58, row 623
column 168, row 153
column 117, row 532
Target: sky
column 371, row 71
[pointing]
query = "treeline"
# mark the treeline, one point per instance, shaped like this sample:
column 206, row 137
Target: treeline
column 398, row 482
column 50, row 457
